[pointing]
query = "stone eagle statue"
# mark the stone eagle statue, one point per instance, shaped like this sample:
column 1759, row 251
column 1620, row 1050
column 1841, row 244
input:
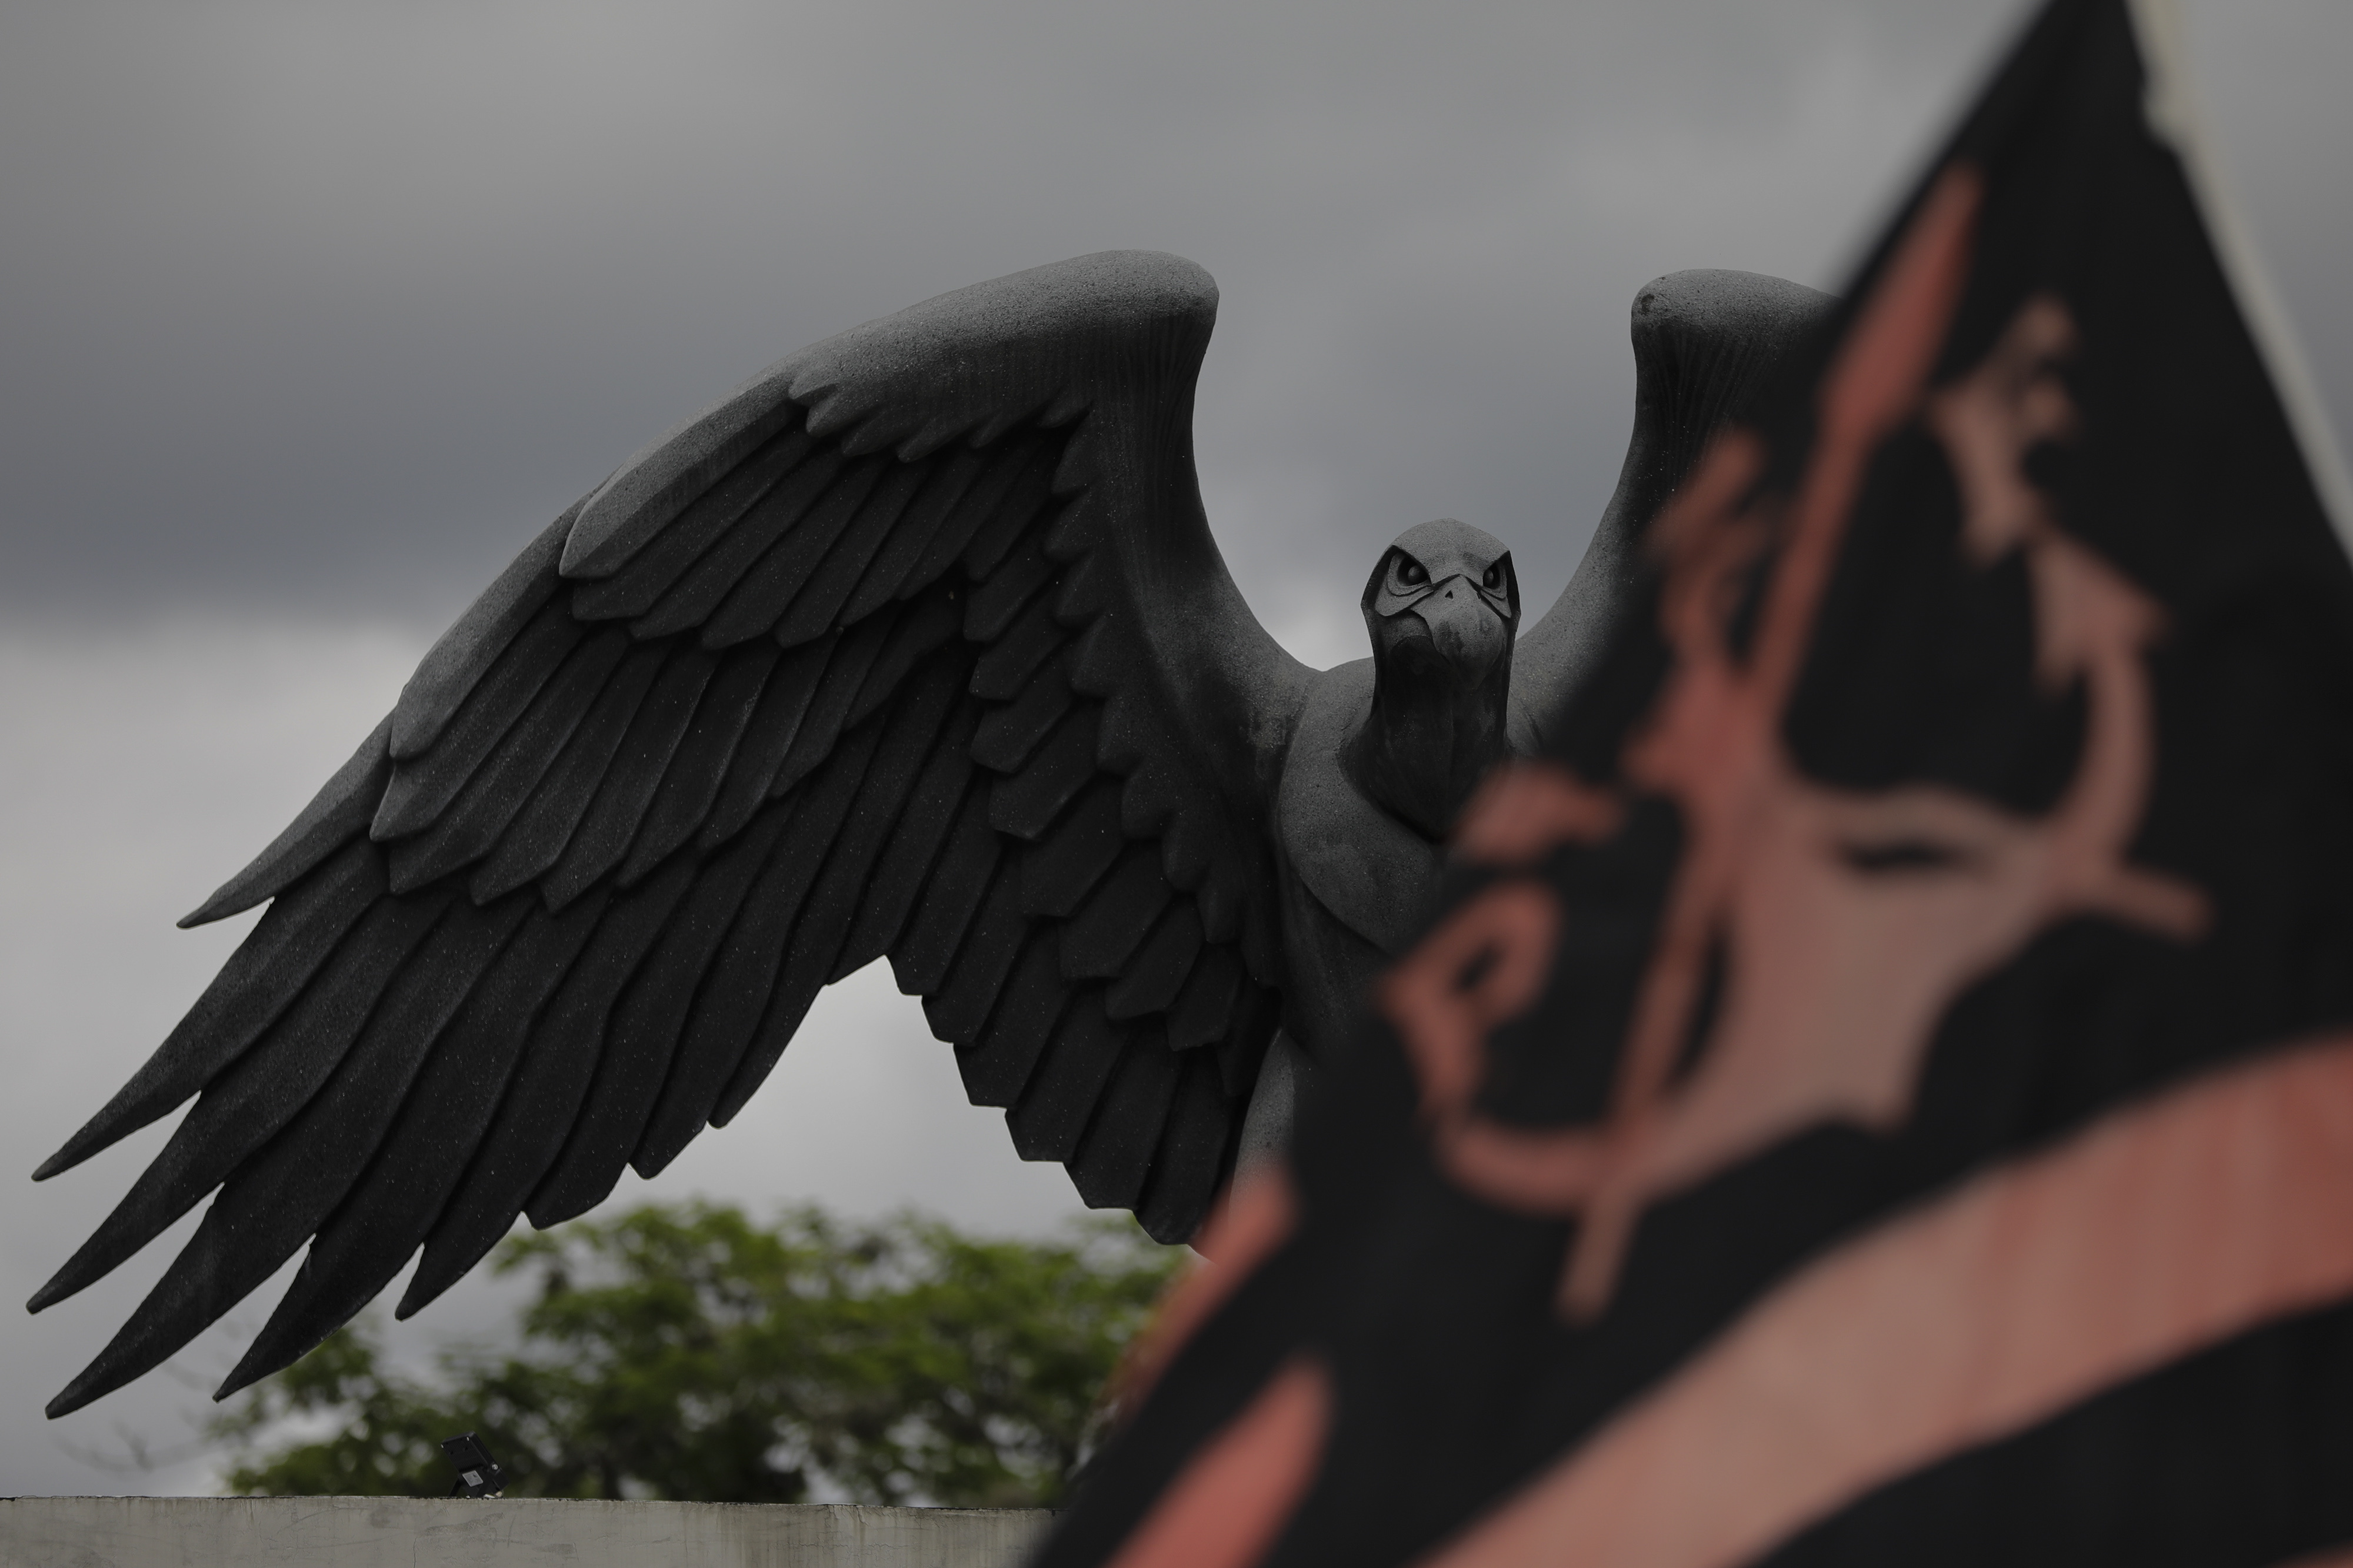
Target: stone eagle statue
column 915, row 646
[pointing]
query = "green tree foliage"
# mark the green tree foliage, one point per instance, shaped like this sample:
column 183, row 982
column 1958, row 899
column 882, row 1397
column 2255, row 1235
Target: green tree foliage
column 688, row 1352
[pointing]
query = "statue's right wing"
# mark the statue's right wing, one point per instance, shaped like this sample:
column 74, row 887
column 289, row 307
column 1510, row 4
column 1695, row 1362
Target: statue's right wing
column 1702, row 341
column 918, row 645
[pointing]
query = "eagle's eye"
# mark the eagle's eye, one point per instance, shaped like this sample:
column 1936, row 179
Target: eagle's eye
column 1494, row 578
column 1411, row 573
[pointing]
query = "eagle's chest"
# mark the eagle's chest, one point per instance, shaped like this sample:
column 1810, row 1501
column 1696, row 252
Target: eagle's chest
column 1356, row 882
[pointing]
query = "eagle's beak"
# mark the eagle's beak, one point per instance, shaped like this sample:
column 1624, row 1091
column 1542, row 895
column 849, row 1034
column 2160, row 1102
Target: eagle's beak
column 1463, row 627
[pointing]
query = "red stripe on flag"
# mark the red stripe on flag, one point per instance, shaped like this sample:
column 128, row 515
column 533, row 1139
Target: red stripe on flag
column 1224, row 1509
column 2160, row 1229
column 1259, row 1214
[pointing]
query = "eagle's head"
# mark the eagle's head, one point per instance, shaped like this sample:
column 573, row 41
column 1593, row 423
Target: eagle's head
column 1443, row 606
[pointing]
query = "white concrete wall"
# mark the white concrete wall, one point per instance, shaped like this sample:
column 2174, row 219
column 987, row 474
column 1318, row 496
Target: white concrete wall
column 404, row 1532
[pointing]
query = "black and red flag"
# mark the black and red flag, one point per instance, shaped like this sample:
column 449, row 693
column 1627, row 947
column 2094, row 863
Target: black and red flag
column 1882, row 1089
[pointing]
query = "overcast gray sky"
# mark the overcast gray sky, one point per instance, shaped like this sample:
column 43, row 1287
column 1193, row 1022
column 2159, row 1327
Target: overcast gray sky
column 311, row 315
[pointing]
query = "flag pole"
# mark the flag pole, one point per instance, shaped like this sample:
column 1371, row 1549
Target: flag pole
column 2177, row 118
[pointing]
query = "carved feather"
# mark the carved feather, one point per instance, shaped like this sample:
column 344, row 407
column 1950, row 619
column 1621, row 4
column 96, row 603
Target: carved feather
column 977, row 974
column 1115, row 1157
column 457, row 661
column 1027, row 804
column 1055, row 1103
column 1064, row 867
column 966, row 870
column 1149, row 981
column 690, row 782
column 338, row 813
column 996, row 1060
column 758, row 597
column 1105, row 933
column 297, row 934
column 538, row 836
column 1011, row 733
column 844, row 571
column 470, row 827
column 634, row 589
column 631, row 777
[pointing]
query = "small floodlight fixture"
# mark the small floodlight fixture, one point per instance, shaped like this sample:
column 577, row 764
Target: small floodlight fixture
column 478, row 1474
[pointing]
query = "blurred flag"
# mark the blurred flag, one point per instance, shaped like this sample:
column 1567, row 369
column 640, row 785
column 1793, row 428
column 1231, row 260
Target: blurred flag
column 1881, row 1091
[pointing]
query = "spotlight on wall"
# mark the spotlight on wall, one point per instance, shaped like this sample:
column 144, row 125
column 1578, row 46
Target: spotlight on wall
column 478, row 1474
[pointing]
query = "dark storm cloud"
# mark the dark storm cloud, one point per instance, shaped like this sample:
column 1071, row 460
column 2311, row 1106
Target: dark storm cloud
column 328, row 308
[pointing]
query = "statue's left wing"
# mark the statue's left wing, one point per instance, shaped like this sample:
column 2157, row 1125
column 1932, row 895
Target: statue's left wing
column 918, row 645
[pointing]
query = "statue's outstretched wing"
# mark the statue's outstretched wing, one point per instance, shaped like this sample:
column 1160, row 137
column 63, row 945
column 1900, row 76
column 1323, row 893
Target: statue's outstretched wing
column 1702, row 341
column 918, row 645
